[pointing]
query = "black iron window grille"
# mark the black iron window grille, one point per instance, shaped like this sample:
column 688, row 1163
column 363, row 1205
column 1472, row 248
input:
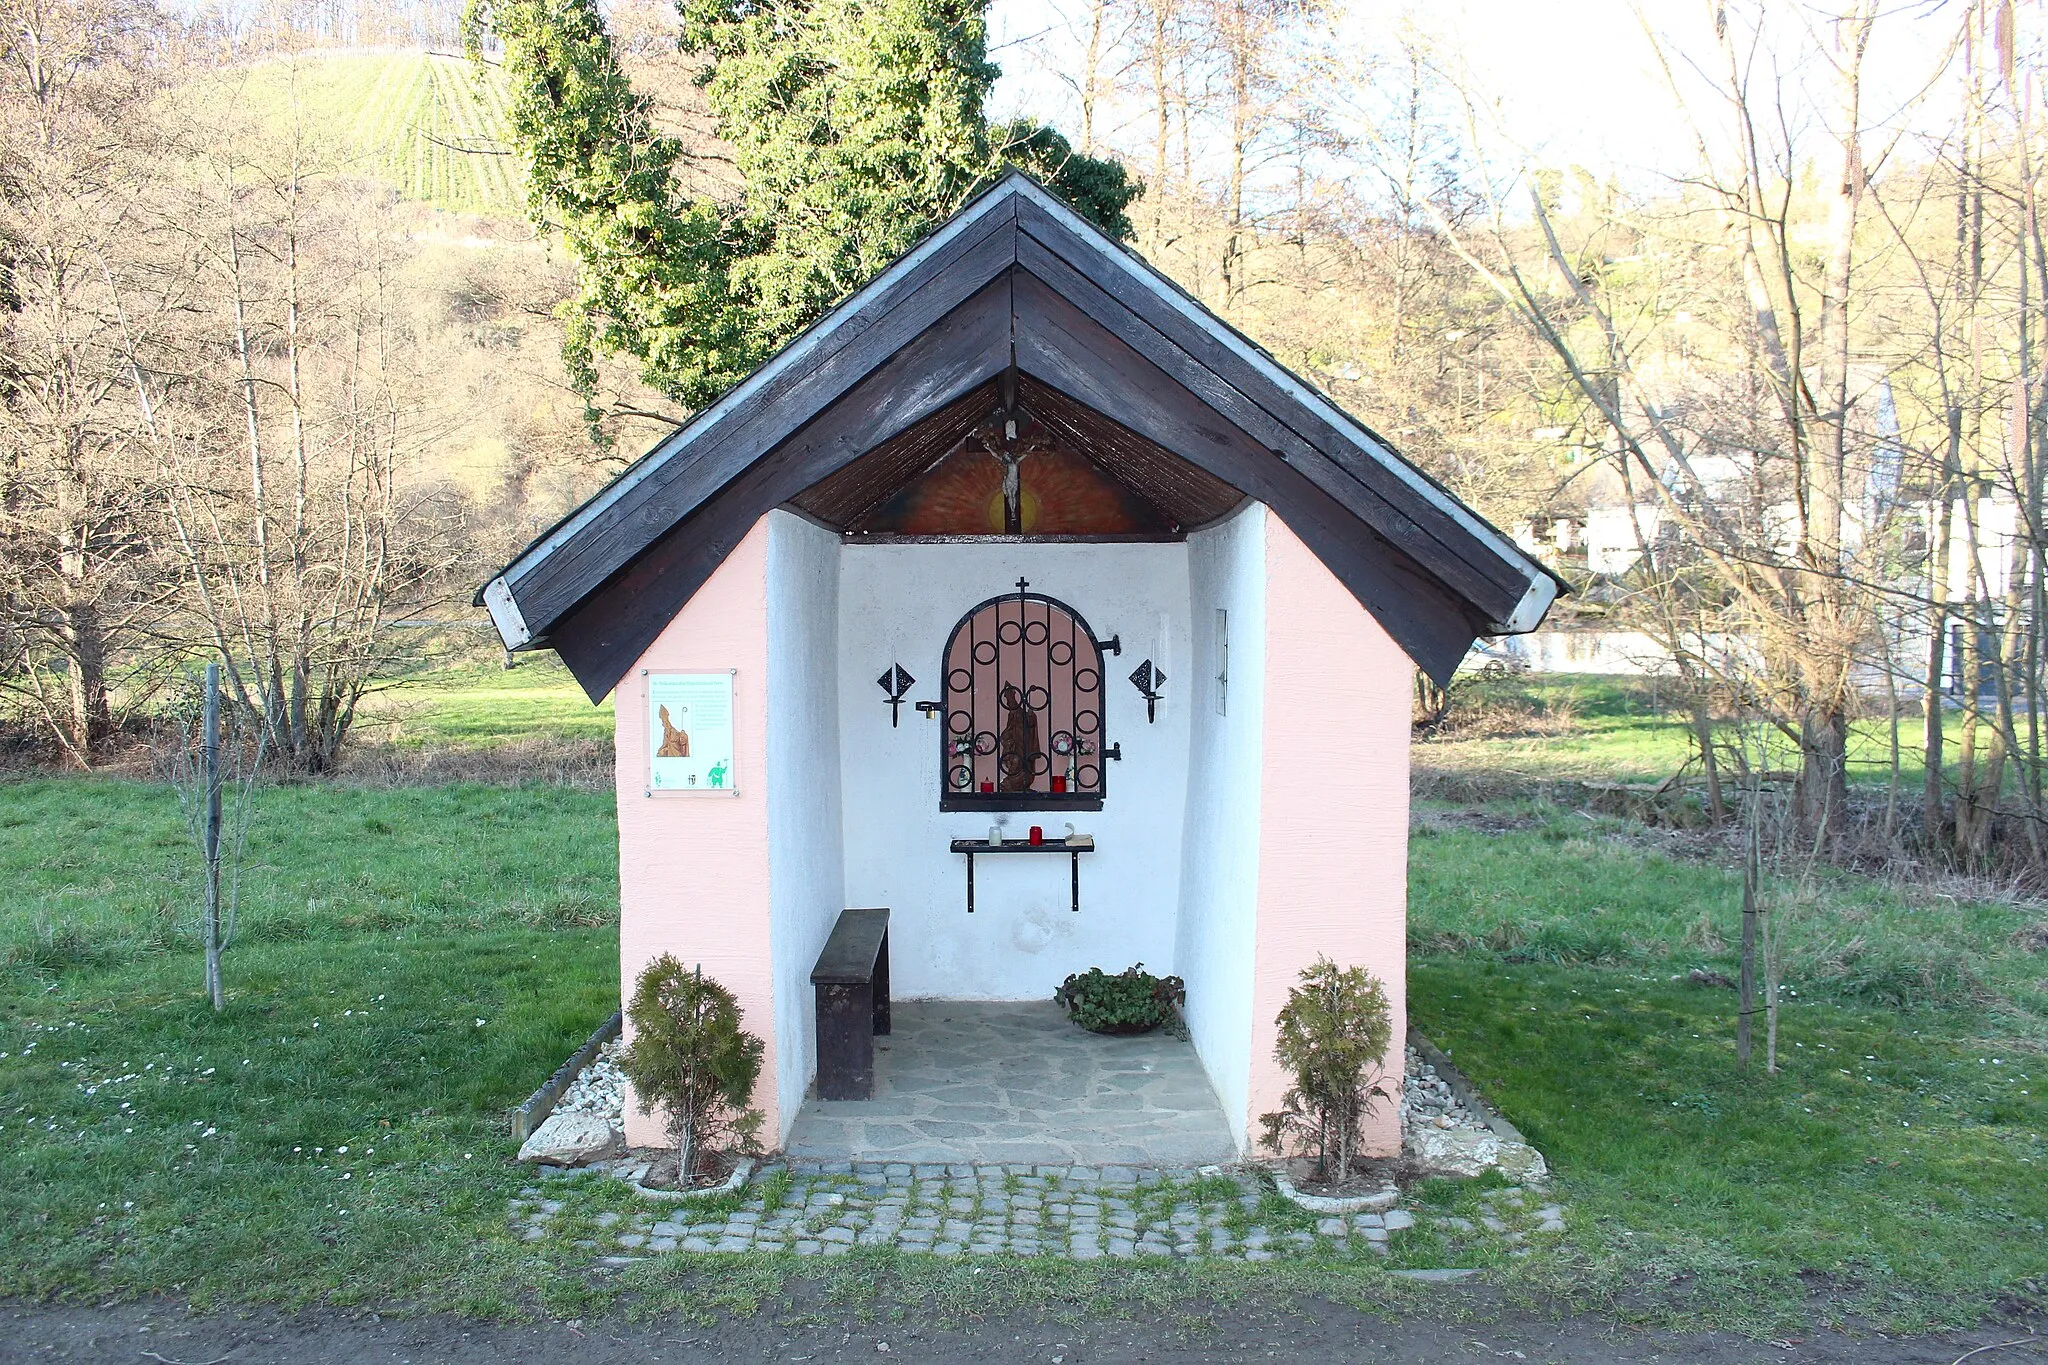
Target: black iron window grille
column 1023, row 710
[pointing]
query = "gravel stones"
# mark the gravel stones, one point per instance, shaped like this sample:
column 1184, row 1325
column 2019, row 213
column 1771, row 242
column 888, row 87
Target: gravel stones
column 1439, row 1134
column 1427, row 1101
column 599, row 1088
column 589, row 1120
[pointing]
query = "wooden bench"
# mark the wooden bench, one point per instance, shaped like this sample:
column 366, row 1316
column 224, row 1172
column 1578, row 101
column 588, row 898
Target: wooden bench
column 852, row 985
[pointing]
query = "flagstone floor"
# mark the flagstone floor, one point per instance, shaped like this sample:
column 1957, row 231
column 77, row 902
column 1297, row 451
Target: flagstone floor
column 1015, row 1082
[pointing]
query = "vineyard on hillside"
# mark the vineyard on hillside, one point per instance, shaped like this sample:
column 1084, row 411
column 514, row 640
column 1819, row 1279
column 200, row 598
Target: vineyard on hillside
column 432, row 125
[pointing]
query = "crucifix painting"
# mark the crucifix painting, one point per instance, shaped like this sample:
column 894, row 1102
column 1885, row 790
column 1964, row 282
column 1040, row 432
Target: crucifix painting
column 1010, row 477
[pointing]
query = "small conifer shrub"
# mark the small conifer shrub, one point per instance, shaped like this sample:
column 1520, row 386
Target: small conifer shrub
column 691, row 1060
column 1334, row 1031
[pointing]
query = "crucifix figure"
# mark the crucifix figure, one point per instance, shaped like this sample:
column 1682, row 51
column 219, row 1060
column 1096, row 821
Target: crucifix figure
column 1009, row 451
column 1013, row 483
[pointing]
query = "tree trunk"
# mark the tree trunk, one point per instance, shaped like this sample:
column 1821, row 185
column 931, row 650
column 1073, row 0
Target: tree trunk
column 1752, row 853
column 89, row 712
column 1091, row 74
column 1966, row 759
column 1822, row 792
column 1156, row 58
column 210, row 834
column 1238, row 47
column 90, row 718
column 1703, row 735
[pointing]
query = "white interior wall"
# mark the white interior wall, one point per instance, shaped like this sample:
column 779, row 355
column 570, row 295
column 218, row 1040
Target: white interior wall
column 897, row 604
column 1219, row 869
column 807, row 878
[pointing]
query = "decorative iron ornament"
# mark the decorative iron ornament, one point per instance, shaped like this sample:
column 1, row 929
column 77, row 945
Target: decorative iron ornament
column 1023, row 707
column 1148, row 680
column 896, row 682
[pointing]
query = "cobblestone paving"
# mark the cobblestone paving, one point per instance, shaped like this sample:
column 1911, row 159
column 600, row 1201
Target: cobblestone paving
column 1083, row 1213
column 1015, row 1082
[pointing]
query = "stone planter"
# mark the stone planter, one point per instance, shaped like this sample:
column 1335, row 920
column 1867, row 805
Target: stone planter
column 742, row 1170
column 1378, row 1201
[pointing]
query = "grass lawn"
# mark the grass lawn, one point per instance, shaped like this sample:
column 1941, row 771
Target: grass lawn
column 1596, row 728
column 1896, row 1161
column 410, row 964
column 486, row 706
column 412, row 961
column 100, row 872
column 1572, row 889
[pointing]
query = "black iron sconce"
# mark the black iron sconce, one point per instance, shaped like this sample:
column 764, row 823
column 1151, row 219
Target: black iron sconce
column 896, row 682
column 1148, row 680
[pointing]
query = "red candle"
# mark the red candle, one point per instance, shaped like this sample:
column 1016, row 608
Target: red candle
column 1059, row 783
column 988, row 786
column 1037, row 836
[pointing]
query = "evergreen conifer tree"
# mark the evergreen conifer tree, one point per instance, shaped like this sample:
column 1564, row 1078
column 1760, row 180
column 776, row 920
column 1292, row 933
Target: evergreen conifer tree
column 856, row 125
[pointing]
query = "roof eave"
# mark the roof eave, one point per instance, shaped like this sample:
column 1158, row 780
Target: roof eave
column 707, row 418
column 1543, row 587
column 1306, row 394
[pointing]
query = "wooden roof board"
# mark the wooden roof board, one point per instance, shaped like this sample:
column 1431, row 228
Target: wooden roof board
column 1183, row 495
column 685, row 470
column 842, row 498
column 1059, row 345
column 1386, row 529
column 1043, row 222
column 605, row 631
column 1390, row 507
column 1186, row 493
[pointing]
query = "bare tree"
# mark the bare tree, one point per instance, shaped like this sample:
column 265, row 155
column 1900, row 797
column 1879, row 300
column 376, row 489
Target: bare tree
column 289, row 433
column 1268, row 63
column 81, row 583
column 1796, row 571
column 1162, row 58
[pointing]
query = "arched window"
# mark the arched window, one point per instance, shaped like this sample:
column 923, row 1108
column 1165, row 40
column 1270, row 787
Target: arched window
column 1024, row 726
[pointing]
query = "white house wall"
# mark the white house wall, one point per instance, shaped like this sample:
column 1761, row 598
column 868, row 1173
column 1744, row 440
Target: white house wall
column 1220, row 847
column 898, row 604
column 807, row 879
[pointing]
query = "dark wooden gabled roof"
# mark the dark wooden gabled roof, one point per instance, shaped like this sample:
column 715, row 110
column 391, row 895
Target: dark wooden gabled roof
column 1015, row 300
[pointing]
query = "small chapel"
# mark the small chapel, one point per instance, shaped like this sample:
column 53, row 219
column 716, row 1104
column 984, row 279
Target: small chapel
column 1027, row 602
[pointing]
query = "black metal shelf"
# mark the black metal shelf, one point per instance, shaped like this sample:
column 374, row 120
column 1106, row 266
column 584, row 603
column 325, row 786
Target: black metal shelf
column 1086, row 844
column 1074, row 848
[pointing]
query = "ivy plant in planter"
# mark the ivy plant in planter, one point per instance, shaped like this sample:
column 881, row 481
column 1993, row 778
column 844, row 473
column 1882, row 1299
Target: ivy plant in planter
column 1132, row 1001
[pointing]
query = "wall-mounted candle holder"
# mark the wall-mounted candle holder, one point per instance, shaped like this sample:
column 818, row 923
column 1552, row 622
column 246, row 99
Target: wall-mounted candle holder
column 897, row 682
column 1148, row 680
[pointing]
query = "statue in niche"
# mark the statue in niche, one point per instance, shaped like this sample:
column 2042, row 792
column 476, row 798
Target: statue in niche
column 1017, row 745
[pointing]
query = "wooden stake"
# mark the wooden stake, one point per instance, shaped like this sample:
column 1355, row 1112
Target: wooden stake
column 210, row 921
column 1751, row 854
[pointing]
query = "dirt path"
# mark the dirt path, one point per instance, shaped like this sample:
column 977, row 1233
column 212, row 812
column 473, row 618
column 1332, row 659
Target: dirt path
column 156, row 1334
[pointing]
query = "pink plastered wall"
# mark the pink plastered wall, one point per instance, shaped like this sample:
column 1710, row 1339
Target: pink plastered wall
column 693, row 867
column 1333, row 840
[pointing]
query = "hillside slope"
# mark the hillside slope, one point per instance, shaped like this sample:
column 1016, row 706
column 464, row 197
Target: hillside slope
column 431, row 125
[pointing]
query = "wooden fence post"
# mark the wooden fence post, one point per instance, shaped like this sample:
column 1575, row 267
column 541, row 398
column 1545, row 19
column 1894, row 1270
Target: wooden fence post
column 210, row 921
